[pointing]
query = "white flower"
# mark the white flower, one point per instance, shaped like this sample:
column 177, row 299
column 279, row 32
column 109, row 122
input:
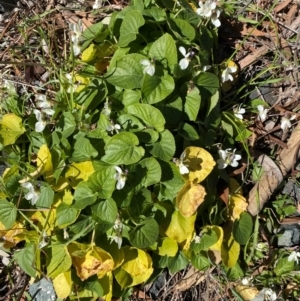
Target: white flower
column 294, row 256
column 149, row 67
column 97, row 4
column 238, row 112
column 270, row 295
column 228, row 158
column 246, row 280
column 41, row 124
column 72, row 87
column 45, row 240
column 197, row 239
column 286, row 122
column 5, row 257
column 226, row 74
column 117, row 239
column 184, row 63
column 76, row 30
column 206, row 9
column 183, row 168
column 31, row 194
column 262, row 113
column 66, row 234
column 107, row 108
column 44, row 104
column 120, row 177
column 215, row 18
column 113, row 127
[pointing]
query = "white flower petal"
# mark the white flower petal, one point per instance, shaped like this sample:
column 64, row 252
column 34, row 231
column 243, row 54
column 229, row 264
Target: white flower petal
column 118, row 169
column 40, row 126
column 38, row 114
column 121, row 183
column 183, row 169
column 145, row 62
column 182, row 50
column 222, row 154
column 184, row 63
column 216, row 22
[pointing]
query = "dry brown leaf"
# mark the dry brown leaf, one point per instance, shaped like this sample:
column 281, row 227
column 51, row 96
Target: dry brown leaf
column 271, row 179
column 281, row 6
column 252, row 57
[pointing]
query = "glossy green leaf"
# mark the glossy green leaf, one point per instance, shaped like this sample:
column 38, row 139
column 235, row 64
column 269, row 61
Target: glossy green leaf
column 144, row 234
column 242, row 228
column 83, row 150
column 188, row 132
column 59, row 260
column 8, row 213
column 151, row 116
column 164, row 50
column 106, row 210
column 200, row 262
column 128, row 73
column 26, row 259
column 177, row 263
column 192, row 103
column 156, row 13
column 66, row 124
column 130, row 27
column 150, row 172
column 83, row 196
column 208, row 81
column 46, row 197
column 164, row 148
column 102, row 181
column 184, row 28
column 157, row 88
column 66, row 215
column 122, row 149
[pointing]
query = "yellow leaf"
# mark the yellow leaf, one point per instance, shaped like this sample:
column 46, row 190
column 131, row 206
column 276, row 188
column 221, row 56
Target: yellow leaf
column 61, row 184
column 167, row 246
column 181, row 228
column 200, row 164
column 237, row 204
column 44, row 161
column 45, row 220
column 10, row 236
column 230, row 248
column 106, row 283
column 11, row 128
column 247, row 292
column 89, row 53
column 78, row 172
column 63, row 285
column 189, row 198
column 220, row 234
column 82, row 82
column 66, row 196
column 90, row 261
column 136, row 268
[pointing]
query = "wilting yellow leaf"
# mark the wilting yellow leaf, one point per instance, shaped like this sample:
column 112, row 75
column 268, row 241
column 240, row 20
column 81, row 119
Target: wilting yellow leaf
column 78, row 172
column 230, row 248
column 189, row 198
column 136, row 268
column 61, row 184
column 90, row 261
column 237, row 204
column 167, row 246
column 89, row 53
column 200, row 164
column 11, row 128
column 63, row 285
column 44, row 162
column 247, row 292
column 220, row 234
column 10, row 236
column 181, row 228
column 46, row 221
column 81, row 82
